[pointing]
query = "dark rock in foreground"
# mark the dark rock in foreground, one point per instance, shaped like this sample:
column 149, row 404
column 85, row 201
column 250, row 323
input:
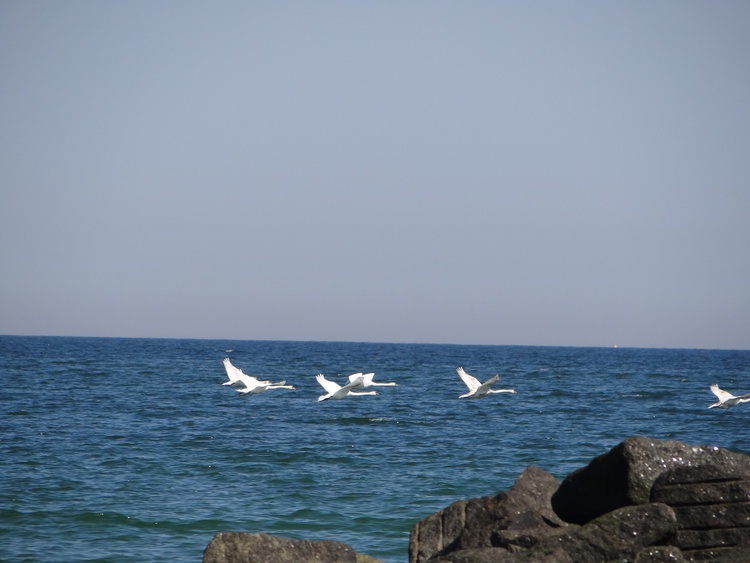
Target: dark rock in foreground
column 712, row 505
column 619, row 535
column 515, row 520
column 625, row 475
column 644, row 501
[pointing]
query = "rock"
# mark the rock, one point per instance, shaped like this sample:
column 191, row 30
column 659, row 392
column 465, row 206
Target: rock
column 434, row 533
column 624, row 475
column 238, row 547
column 620, row 535
column 476, row 555
column 712, row 505
column 518, row 517
column 528, row 512
column 660, row 554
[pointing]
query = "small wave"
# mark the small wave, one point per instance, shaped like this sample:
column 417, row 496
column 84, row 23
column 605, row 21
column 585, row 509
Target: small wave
column 74, row 518
column 109, row 519
column 356, row 420
column 116, row 519
column 9, row 516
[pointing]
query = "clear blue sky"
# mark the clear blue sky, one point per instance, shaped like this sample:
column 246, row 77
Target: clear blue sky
column 551, row 173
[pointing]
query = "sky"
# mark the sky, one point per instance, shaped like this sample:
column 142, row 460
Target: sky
column 500, row 172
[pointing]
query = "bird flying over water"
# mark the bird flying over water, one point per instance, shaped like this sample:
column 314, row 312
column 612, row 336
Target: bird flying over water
column 476, row 389
column 232, row 373
column 366, row 381
column 336, row 391
column 726, row 399
column 252, row 385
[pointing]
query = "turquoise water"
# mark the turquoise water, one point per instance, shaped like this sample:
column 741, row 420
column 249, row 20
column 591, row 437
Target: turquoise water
column 132, row 450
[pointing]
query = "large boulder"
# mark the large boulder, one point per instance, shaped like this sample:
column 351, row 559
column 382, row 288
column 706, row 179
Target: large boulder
column 513, row 520
column 712, row 506
column 645, row 500
column 620, row 535
column 239, row 547
column 624, row 475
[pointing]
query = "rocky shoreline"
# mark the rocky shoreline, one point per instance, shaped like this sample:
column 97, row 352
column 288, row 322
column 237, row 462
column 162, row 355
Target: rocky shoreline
column 644, row 501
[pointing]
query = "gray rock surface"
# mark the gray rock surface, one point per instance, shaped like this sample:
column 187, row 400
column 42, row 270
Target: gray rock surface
column 712, row 506
column 239, row 547
column 645, row 500
column 624, row 475
column 517, row 517
column 660, row 554
column 620, row 535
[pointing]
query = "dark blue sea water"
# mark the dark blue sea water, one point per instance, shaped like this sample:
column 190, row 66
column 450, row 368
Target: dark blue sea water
column 132, row 450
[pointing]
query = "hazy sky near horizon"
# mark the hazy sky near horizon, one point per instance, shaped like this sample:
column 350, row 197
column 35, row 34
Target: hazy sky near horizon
column 544, row 173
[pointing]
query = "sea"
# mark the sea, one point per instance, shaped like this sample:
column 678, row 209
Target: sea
column 132, row 450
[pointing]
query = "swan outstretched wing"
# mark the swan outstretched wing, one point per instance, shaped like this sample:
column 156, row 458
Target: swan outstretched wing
column 355, row 376
column 720, row 393
column 354, row 383
column 365, row 379
column 490, row 382
column 330, row 386
column 471, row 382
column 231, row 371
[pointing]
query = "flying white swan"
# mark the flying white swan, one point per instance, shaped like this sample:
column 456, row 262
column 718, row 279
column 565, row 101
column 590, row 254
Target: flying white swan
column 336, row 391
column 254, row 386
column 232, row 373
column 477, row 390
column 251, row 384
column 726, row 399
column 367, row 381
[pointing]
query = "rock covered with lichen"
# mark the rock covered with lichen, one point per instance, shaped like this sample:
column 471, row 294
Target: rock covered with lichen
column 644, row 501
column 242, row 547
column 626, row 474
